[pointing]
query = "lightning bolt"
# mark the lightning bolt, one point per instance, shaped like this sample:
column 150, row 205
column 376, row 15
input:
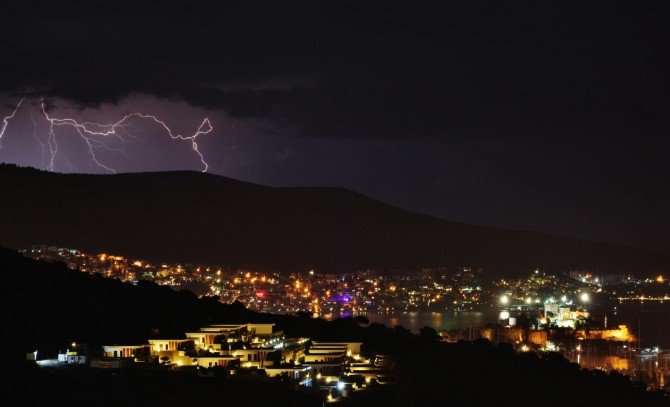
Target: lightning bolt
column 89, row 132
column 44, row 147
column 6, row 119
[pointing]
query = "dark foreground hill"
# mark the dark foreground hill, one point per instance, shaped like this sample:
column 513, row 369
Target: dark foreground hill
column 46, row 305
column 194, row 217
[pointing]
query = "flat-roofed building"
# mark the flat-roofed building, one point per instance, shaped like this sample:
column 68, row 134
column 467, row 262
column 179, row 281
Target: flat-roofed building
column 204, row 338
column 330, row 357
column 158, row 345
column 125, row 351
column 225, row 328
column 261, row 330
column 217, row 360
column 325, row 350
column 254, row 357
column 300, row 374
column 353, row 347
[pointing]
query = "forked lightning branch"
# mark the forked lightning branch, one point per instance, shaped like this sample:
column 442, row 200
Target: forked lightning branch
column 93, row 134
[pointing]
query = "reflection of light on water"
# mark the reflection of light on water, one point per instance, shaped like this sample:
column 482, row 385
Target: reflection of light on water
column 655, row 325
column 437, row 320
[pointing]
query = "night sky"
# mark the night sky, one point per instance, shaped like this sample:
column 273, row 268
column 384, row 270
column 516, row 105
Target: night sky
column 545, row 115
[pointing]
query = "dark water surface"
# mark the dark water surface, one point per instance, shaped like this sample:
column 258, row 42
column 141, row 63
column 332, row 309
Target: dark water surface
column 652, row 317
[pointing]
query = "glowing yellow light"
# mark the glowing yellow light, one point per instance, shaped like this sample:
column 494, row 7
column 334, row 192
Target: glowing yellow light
column 660, row 279
column 504, row 299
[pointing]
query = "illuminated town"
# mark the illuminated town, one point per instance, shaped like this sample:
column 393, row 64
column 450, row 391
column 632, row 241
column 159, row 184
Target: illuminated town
column 562, row 300
column 542, row 312
column 363, row 292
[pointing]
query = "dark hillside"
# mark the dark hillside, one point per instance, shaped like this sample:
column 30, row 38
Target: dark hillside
column 194, row 217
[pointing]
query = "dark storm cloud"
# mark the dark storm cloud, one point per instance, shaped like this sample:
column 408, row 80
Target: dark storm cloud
column 543, row 115
column 383, row 69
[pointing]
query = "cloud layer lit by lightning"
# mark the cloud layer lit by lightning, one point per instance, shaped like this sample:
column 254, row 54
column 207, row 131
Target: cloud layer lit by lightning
column 93, row 134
